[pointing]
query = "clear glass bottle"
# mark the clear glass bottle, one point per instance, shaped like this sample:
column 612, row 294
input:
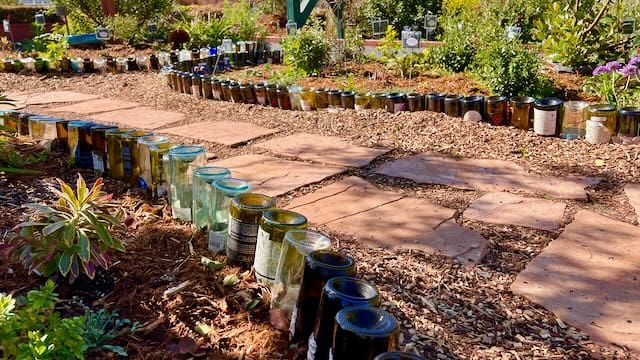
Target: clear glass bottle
column 362, row 101
column 145, row 144
column 202, row 197
column 245, row 213
column 182, row 161
column 319, row 267
column 115, row 165
column 121, row 65
column 296, row 245
column 362, row 332
column 273, row 226
column 307, row 99
column 221, row 193
column 337, row 294
column 131, row 155
column 295, row 97
column 574, row 123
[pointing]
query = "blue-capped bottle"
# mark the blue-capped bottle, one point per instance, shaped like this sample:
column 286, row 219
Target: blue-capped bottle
column 363, row 332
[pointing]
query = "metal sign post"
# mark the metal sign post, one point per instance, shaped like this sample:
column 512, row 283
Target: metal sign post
column 430, row 24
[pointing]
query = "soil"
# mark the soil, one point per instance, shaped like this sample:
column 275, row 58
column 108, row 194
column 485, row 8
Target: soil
column 447, row 311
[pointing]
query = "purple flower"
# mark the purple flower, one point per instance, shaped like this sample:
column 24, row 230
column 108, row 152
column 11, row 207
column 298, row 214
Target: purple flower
column 634, row 60
column 613, row 66
column 629, row 70
column 600, row 70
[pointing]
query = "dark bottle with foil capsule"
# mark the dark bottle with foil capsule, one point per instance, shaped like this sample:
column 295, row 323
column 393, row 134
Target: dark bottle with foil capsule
column 337, row 294
column 362, row 333
column 319, row 267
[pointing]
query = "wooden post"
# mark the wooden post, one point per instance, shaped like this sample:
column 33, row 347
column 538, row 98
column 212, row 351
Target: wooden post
column 109, row 7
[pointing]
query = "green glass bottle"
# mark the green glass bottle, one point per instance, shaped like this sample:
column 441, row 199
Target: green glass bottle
column 273, row 226
column 115, row 166
column 202, row 177
column 145, row 144
column 221, row 192
column 131, row 155
column 182, row 161
column 245, row 213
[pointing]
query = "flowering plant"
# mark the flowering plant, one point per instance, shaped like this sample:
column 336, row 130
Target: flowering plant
column 616, row 83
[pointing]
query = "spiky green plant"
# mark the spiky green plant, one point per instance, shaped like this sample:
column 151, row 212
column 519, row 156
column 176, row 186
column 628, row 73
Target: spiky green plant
column 70, row 236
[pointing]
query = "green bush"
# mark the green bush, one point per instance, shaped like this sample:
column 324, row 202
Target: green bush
column 33, row 330
column 30, row 328
column 25, row 14
column 69, row 237
column 307, row 49
column 124, row 28
column 510, row 68
column 458, row 50
column 205, row 33
column 243, row 21
column 400, row 13
column 585, row 37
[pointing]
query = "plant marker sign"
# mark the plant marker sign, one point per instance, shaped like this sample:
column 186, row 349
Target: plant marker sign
column 40, row 20
column 430, row 23
column 102, row 33
column 513, row 32
column 411, row 39
column 379, row 26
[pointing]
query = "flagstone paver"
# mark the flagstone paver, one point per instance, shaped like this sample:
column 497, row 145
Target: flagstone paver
column 484, row 175
column 51, row 97
column 590, row 277
column 633, row 192
column 510, row 209
column 140, row 117
column 228, row 133
column 96, row 106
column 272, row 176
column 387, row 219
column 324, row 149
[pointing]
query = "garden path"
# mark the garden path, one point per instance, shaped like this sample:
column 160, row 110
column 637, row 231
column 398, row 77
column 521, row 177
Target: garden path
column 588, row 276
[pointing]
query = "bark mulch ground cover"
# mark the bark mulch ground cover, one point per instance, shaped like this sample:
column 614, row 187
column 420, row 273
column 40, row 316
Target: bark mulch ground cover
column 447, row 310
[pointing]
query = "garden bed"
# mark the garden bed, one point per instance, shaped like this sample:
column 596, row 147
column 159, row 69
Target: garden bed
column 446, row 309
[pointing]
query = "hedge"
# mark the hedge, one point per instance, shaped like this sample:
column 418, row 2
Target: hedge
column 26, row 14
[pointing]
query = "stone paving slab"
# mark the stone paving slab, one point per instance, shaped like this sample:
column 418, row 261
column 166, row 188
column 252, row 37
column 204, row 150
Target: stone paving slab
column 228, row 133
column 95, row 106
column 509, row 209
column 272, row 176
column 484, row 175
column 51, row 97
column 139, row 118
column 633, row 192
column 387, row 219
column 323, row 149
column 590, row 277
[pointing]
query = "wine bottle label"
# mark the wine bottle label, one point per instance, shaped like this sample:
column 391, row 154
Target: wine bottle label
column 398, row 107
column 242, row 238
column 311, row 350
column 267, row 256
column 544, row 122
column 50, row 132
column 127, row 160
column 98, row 162
column 217, row 240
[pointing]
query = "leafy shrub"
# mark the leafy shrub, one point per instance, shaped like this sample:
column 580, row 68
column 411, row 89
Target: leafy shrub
column 510, row 68
column 70, row 236
column 31, row 329
column 458, row 50
column 389, row 47
column 243, row 21
column 205, row 33
column 26, row 14
column 287, row 77
column 307, row 49
column 400, row 13
column 584, row 37
column 124, row 28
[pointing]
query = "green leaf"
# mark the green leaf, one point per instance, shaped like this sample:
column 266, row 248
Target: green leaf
column 68, row 194
column 81, row 189
column 252, row 305
column 50, row 229
column 64, row 263
column 203, row 329
column 115, row 349
column 230, row 280
column 85, row 245
column 211, row 264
